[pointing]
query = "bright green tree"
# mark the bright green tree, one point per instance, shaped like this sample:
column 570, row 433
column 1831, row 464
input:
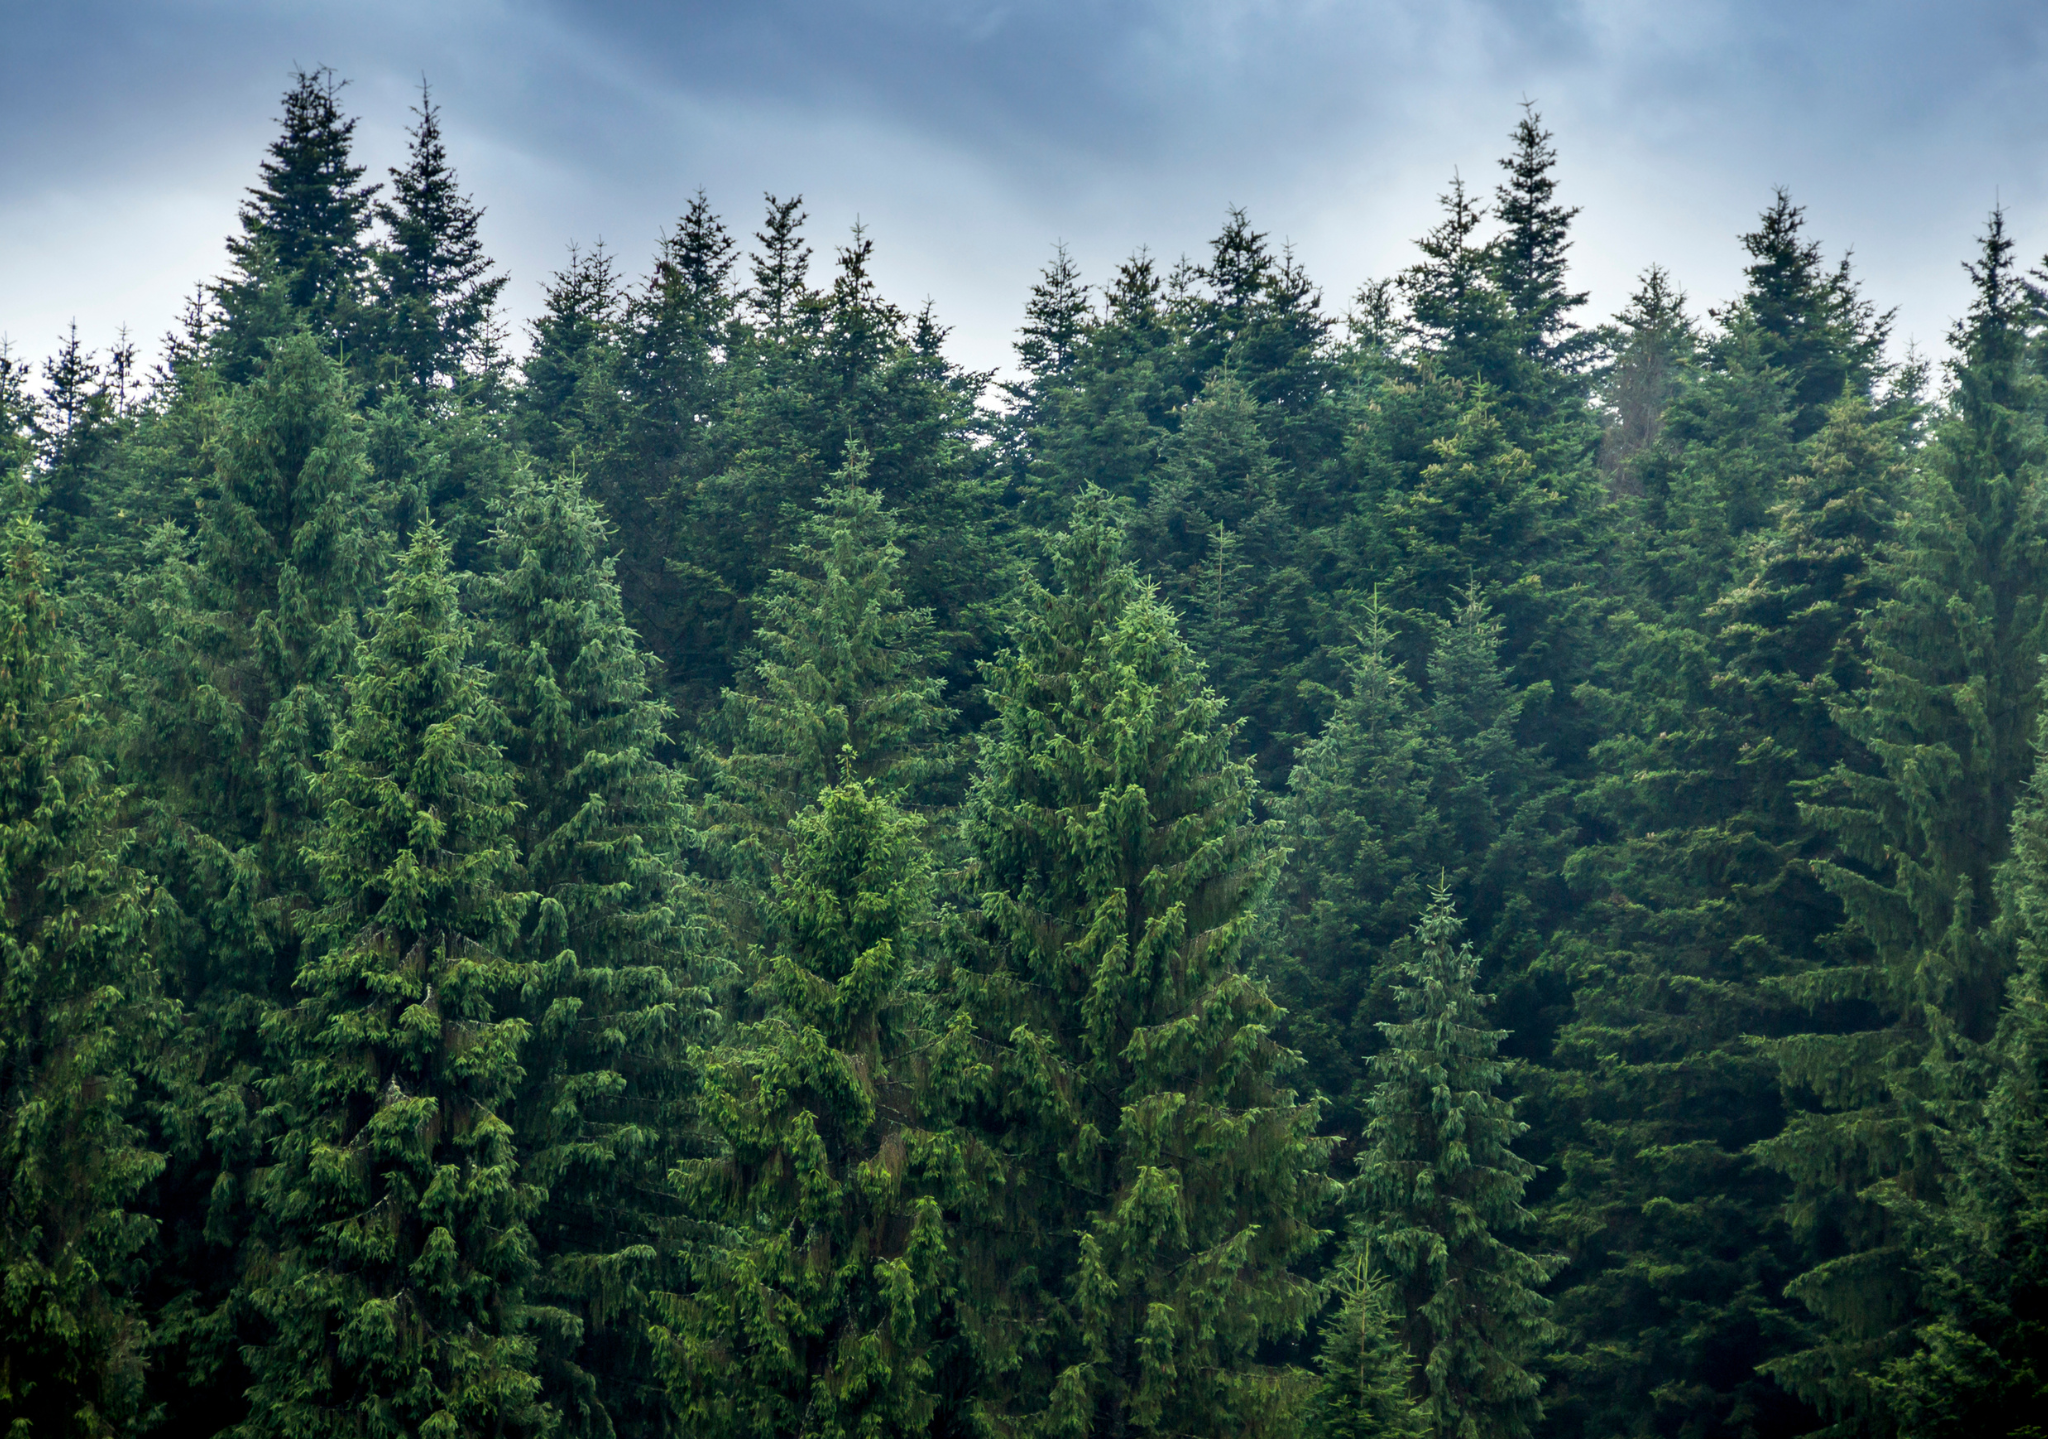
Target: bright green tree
column 228, row 659
column 823, row 1282
column 1441, row 1191
column 1161, row 1182
column 389, row 1268
column 80, row 1018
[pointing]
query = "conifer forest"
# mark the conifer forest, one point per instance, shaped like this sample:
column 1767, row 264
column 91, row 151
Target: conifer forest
column 1426, row 863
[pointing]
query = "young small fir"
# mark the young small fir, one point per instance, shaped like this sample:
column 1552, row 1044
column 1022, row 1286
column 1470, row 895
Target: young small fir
column 1440, row 1190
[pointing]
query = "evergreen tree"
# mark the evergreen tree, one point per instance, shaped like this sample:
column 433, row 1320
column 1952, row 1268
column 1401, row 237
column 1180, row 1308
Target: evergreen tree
column 843, row 665
column 603, row 1108
column 1160, row 1183
column 300, row 258
column 435, row 288
column 17, row 413
column 820, row 1303
column 80, row 1018
column 1658, row 347
column 229, row 660
column 569, row 410
column 1697, row 899
column 1365, row 1370
column 1976, row 1365
column 1529, row 254
column 1441, row 1186
column 1231, row 559
column 1813, row 322
column 75, row 428
column 1954, row 656
column 390, row 1265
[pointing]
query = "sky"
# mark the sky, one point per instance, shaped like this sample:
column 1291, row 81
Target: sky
column 971, row 136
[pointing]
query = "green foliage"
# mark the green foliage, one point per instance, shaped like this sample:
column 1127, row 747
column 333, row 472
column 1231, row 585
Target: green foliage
column 1441, row 1187
column 843, row 667
column 80, row 1019
column 1160, row 1183
column 1954, row 654
column 618, row 990
column 435, row 291
column 300, row 259
column 826, row 1268
column 1365, row 1369
column 390, row 1262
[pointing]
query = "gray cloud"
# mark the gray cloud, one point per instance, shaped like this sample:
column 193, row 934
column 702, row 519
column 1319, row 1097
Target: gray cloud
column 970, row 136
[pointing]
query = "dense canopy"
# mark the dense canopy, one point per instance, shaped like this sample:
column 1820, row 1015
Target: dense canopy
column 1430, row 865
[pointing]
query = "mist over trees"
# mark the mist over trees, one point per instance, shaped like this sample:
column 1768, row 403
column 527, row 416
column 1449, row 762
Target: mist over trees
column 1418, row 864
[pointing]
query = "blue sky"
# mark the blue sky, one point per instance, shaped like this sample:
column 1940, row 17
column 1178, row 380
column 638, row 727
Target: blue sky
column 971, row 136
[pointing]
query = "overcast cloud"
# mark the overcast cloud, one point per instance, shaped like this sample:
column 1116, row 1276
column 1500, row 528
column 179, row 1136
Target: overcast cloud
column 971, row 136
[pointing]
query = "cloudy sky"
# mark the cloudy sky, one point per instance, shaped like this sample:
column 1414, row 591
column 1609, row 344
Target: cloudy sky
column 971, row 135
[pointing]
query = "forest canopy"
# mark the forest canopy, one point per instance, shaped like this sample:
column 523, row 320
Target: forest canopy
column 1423, row 865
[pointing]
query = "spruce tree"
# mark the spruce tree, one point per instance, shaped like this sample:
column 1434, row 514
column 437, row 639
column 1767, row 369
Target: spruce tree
column 824, row 1279
column 1441, row 1189
column 300, row 258
column 80, row 1020
column 1948, row 714
column 230, row 653
column 1529, row 255
column 390, row 1266
column 843, row 664
column 435, row 290
column 1366, row 1371
column 569, row 410
column 1697, row 899
column 602, row 1110
column 75, row 428
column 1160, row 1182
column 1978, row 1245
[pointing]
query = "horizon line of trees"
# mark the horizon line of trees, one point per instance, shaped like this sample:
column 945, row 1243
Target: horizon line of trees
column 1446, row 870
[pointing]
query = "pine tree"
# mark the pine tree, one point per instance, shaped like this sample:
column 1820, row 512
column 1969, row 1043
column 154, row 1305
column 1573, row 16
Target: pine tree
column 1458, row 315
column 390, row 1265
column 75, row 428
column 434, row 283
column 1361, row 810
column 822, row 1289
column 602, row 1111
column 80, row 1019
column 1948, row 713
column 1365, row 1370
column 1161, row 1183
column 569, row 409
column 17, row 413
column 1813, row 322
column 1441, row 1187
column 1230, row 558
